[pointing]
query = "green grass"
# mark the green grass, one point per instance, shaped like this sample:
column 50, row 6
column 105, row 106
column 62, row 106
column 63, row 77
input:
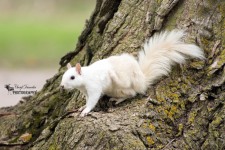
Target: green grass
column 29, row 40
column 28, row 43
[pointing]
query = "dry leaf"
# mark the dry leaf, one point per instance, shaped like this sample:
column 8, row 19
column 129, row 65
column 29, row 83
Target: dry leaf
column 26, row 137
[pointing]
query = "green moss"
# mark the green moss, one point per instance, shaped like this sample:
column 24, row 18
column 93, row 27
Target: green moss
column 216, row 134
column 192, row 98
column 184, row 88
column 171, row 93
column 180, row 129
column 160, row 146
column 152, row 127
column 53, row 147
column 215, row 123
column 15, row 140
column 144, row 125
column 191, row 117
column 159, row 1
column 160, row 97
column 197, row 64
column 150, row 140
column 173, row 89
column 221, row 8
column 221, row 58
column 27, row 125
column 171, row 113
column 174, row 97
column 182, row 104
column 206, row 44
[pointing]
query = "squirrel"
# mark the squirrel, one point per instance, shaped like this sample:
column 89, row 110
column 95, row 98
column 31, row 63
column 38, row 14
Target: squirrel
column 122, row 76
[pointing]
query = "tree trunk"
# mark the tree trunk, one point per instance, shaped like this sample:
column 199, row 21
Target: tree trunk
column 185, row 110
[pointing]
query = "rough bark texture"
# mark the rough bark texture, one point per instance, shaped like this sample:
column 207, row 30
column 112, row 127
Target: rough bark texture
column 186, row 109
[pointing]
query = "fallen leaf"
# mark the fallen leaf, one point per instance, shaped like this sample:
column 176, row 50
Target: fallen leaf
column 25, row 137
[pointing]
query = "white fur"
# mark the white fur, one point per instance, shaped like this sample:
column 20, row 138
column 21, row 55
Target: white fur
column 162, row 51
column 123, row 76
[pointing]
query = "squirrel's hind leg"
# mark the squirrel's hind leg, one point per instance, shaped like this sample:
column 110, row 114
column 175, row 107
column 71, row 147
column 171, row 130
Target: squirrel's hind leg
column 124, row 94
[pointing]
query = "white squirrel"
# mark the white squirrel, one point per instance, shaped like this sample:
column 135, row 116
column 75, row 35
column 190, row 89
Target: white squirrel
column 122, row 76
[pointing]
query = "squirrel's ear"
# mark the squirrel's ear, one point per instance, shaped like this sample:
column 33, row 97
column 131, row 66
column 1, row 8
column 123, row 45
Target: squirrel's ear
column 68, row 66
column 78, row 68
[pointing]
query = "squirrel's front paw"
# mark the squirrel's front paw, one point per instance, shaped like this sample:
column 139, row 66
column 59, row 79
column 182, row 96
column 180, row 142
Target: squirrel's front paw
column 85, row 112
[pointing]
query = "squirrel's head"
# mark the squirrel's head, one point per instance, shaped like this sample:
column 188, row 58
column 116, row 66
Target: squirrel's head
column 72, row 78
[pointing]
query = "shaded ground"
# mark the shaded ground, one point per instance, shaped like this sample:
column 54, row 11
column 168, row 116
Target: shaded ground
column 35, row 78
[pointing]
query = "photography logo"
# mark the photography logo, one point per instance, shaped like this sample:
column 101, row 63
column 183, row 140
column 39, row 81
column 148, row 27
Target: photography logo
column 21, row 89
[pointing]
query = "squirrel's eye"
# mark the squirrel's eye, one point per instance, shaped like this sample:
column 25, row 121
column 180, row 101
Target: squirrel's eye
column 72, row 77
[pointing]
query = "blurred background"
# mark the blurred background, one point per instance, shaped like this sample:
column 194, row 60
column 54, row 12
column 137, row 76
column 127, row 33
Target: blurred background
column 34, row 35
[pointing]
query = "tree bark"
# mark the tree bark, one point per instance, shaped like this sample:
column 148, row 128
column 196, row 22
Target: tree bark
column 185, row 110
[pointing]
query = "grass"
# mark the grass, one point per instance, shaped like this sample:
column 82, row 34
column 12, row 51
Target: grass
column 35, row 43
column 34, row 40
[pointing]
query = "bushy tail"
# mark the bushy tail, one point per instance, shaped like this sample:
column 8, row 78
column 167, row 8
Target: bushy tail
column 162, row 51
